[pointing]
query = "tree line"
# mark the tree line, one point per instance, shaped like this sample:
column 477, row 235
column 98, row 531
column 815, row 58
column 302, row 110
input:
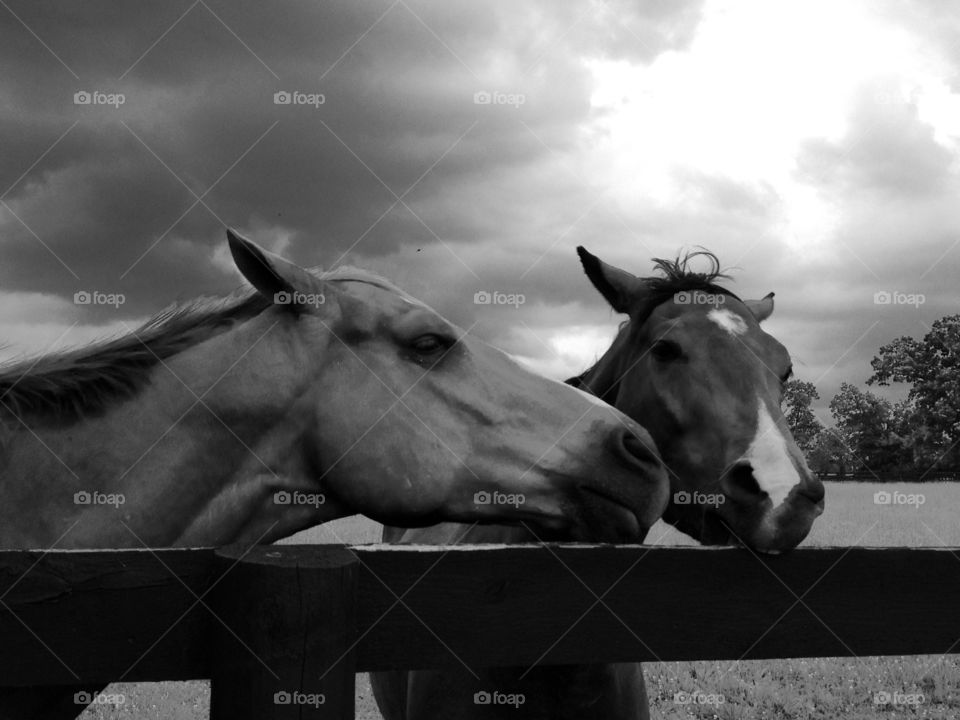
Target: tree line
column 918, row 437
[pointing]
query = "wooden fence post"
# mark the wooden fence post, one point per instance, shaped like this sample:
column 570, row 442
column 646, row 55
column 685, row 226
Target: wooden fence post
column 283, row 633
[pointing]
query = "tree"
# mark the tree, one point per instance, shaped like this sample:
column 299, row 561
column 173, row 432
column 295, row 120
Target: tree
column 798, row 396
column 831, row 453
column 865, row 424
column 917, row 451
column 931, row 367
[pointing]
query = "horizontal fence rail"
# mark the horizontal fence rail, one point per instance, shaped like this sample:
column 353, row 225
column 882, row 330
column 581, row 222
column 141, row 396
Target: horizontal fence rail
column 308, row 617
column 887, row 476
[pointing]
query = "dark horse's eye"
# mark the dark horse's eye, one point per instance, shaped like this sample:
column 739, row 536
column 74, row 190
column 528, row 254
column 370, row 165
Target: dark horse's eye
column 665, row 350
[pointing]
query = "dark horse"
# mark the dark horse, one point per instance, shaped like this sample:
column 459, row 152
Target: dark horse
column 693, row 365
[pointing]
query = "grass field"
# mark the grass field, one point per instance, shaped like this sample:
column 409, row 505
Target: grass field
column 924, row 686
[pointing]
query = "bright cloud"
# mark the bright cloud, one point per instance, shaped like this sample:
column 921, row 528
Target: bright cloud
column 812, row 145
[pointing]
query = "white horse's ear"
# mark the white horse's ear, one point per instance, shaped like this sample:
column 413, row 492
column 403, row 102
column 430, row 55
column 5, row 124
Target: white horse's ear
column 620, row 288
column 761, row 309
column 281, row 281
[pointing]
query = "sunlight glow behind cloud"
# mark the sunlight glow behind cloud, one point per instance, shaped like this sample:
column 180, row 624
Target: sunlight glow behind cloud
column 812, row 145
column 759, row 78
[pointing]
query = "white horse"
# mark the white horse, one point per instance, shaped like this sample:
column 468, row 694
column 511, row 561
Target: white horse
column 250, row 418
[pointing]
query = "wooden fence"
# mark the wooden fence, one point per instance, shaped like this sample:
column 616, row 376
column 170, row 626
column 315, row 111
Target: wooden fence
column 893, row 477
column 277, row 629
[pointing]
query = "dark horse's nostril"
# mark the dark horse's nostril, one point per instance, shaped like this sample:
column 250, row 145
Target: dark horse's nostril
column 740, row 484
column 812, row 489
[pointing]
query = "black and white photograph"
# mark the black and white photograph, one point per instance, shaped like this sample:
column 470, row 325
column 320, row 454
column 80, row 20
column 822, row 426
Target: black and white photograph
column 447, row 360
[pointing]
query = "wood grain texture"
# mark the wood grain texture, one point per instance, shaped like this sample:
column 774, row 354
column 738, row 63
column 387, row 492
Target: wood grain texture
column 103, row 616
column 284, row 634
column 518, row 606
column 111, row 615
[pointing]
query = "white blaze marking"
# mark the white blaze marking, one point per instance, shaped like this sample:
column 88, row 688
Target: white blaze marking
column 768, row 456
column 728, row 320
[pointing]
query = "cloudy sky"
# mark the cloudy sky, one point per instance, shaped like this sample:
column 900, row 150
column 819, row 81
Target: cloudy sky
column 812, row 146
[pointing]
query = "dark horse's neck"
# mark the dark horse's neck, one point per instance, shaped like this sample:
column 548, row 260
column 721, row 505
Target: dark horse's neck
column 603, row 378
column 588, row 382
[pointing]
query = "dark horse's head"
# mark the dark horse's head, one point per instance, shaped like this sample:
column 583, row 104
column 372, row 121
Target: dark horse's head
column 694, row 367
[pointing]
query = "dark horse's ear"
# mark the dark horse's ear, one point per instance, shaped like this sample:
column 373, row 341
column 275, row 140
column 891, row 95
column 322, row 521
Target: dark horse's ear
column 282, row 281
column 620, row 288
column 761, row 309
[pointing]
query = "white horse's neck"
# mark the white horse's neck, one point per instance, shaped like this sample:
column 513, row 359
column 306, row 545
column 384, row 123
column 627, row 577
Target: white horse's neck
column 193, row 459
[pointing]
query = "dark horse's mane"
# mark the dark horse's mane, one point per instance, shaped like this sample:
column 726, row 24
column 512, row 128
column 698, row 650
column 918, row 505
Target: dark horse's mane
column 675, row 276
column 678, row 277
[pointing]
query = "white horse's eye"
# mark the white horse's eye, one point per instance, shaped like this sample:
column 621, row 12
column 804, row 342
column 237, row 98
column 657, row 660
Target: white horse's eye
column 428, row 344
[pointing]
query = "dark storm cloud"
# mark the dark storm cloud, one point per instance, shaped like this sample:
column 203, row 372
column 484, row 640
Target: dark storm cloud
column 109, row 206
column 493, row 204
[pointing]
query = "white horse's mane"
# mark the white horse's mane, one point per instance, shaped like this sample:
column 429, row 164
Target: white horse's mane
column 64, row 386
